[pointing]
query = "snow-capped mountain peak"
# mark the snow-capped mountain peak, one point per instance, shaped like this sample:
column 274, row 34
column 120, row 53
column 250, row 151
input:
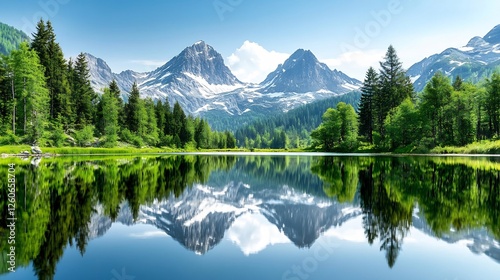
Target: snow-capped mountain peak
column 493, row 37
column 303, row 73
column 472, row 62
column 203, row 85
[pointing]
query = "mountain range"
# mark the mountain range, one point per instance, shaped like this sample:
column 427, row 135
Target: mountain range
column 199, row 80
column 473, row 62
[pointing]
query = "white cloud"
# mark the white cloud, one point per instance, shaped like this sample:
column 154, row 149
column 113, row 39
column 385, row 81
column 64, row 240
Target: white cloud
column 253, row 233
column 252, row 63
column 149, row 234
column 356, row 63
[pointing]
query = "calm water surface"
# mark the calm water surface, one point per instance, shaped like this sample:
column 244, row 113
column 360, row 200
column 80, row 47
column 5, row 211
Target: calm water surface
column 253, row 217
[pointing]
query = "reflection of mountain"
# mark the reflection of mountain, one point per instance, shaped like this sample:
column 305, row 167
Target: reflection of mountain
column 479, row 241
column 201, row 216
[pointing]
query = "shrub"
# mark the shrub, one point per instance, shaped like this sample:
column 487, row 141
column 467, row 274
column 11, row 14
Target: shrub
column 85, row 136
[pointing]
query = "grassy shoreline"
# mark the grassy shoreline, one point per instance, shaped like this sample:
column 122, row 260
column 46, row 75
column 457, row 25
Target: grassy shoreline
column 477, row 148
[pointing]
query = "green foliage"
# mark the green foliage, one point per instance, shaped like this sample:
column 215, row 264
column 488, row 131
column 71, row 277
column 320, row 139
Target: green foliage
column 82, row 93
column 403, row 125
column 366, row 105
column 436, row 114
column 39, row 90
column 339, row 129
column 296, row 124
column 56, row 73
column 327, row 135
column 129, row 137
column 348, row 127
column 110, row 117
column 57, row 135
column 30, row 92
column 9, row 138
column 85, row 136
column 10, row 38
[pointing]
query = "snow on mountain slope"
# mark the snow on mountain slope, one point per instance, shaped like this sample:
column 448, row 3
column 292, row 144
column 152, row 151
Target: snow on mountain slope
column 472, row 62
column 199, row 80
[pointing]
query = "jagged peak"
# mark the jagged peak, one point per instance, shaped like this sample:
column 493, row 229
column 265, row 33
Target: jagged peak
column 493, row 37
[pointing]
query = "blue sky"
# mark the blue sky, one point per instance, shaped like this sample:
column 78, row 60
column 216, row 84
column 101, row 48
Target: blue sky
column 254, row 36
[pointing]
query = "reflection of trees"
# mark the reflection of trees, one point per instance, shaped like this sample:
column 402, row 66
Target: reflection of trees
column 453, row 194
column 55, row 201
column 339, row 175
column 384, row 217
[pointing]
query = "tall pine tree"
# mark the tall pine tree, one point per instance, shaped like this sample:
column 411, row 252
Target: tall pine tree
column 83, row 94
column 366, row 105
column 132, row 108
column 394, row 87
column 30, row 89
column 52, row 59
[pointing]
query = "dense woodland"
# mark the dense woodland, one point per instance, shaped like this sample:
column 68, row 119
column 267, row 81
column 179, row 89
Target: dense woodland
column 48, row 101
column 291, row 129
column 10, row 38
column 391, row 116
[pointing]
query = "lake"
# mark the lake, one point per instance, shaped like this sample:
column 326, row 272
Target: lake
column 245, row 216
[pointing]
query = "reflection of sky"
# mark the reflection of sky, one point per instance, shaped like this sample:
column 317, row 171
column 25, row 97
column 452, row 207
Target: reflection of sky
column 253, row 233
column 263, row 252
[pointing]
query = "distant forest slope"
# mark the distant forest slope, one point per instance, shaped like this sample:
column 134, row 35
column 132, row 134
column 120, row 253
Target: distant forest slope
column 291, row 129
column 10, row 38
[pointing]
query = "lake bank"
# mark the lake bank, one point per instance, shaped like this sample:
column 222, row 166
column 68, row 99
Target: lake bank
column 483, row 148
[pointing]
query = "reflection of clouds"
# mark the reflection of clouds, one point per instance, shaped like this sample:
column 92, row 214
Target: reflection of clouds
column 253, row 233
column 149, row 234
column 349, row 231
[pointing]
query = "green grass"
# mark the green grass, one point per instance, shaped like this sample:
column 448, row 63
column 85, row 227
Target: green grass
column 482, row 147
column 14, row 149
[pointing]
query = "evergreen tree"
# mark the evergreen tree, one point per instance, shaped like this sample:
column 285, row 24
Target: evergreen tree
column 202, row 134
column 434, row 109
column 109, row 109
column 160, row 118
column 168, row 126
column 6, row 97
column 366, row 105
column 178, row 119
column 30, row 89
column 83, row 94
column 463, row 123
column 457, row 83
column 52, row 59
column 115, row 90
column 230, row 140
column 394, row 87
column 132, row 109
column 151, row 127
column 493, row 104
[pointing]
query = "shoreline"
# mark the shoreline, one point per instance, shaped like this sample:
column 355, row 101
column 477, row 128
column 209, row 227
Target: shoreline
column 249, row 153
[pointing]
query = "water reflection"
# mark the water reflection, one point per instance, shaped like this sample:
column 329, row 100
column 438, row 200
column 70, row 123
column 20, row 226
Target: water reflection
column 254, row 201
